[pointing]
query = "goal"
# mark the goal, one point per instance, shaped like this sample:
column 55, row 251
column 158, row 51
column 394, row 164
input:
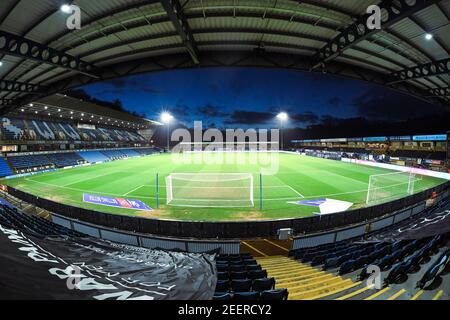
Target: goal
column 210, row 189
column 261, row 146
column 383, row 187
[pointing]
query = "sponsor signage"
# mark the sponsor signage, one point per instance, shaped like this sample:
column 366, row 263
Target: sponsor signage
column 435, row 137
column 400, row 138
column 334, row 140
column 115, row 202
column 374, row 139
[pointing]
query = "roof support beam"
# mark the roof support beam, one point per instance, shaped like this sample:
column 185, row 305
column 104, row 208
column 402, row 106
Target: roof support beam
column 4, row 102
column 394, row 11
column 21, row 47
column 440, row 92
column 421, row 71
column 175, row 12
column 15, row 86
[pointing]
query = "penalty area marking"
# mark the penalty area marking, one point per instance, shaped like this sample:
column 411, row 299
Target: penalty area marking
column 163, row 197
column 135, row 189
column 298, row 193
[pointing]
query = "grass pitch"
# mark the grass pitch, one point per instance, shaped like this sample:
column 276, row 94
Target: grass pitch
column 286, row 178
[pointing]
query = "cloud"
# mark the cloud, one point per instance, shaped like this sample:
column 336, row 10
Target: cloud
column 180, row 110
column 210, row 110
column 379, row 103
column 120, row 85
column 334, row 101
column 250, row 117
column 306, row 117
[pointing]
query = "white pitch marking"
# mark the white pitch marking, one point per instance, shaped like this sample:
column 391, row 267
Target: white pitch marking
column 131, row 191
column 295, row 191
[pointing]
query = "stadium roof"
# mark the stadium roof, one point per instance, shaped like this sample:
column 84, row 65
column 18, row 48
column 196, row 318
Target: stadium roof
column 59, row 106
column 41, row 56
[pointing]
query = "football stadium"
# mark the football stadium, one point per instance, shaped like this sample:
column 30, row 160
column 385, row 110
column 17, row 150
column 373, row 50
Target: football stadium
column 225, row 150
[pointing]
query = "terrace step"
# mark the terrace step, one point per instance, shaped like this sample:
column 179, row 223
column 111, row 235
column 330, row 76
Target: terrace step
column 302, row 280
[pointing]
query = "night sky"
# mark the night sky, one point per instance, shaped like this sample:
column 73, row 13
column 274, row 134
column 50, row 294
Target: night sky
column 246, row 97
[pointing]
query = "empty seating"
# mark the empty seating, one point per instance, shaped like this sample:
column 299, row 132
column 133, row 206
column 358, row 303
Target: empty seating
column 93, row 156
column 114, row 154
column 435, row 270
column 30, row 161
column 11, row 217
column 65, row 159
column 5, row 170
column 277, row 294
column 15, row 129
column 242, row 278
column 241, row 285
column 263, row 284
column 130, row 152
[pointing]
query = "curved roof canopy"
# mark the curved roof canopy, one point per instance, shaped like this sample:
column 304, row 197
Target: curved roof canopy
column 40, row 55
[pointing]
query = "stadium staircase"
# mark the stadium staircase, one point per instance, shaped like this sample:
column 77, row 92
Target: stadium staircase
column 303, row 281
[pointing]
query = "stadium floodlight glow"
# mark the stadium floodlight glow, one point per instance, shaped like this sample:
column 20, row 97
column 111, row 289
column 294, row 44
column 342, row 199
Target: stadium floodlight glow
column 1, row 63
column 282, row 116
column 428, row 36
column 66, row 8
column 166, row 117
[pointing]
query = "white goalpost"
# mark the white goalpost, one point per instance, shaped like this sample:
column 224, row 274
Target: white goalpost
column 387, row 186
column 210, row 189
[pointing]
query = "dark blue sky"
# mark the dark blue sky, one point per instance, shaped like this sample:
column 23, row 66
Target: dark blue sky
column 246, row 97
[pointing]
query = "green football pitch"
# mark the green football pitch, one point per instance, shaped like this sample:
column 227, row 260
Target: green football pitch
column 286, row 178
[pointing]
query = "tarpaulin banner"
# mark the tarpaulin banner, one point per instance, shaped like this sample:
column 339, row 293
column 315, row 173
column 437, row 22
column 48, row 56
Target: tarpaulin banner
column 115, row 202
column 62, row 268
column 428, row 226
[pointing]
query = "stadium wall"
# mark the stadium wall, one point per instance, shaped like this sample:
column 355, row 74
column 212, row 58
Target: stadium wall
column 238, row 229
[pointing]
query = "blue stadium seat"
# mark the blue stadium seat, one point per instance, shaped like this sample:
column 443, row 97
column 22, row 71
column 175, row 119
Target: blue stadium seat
column 222, row 275
column 263, row 284
column 277, row 294
column 222, row 285
column 93, row 156
column 222, row 296
column 241, row 285
column 238, row 275
column 258, row 274
column 65, row 159
column 114, row 154
column 253, row 267
column 5, row 170
column 29, row 161
column 130, row 152
column 435, row 270
column 246, row 296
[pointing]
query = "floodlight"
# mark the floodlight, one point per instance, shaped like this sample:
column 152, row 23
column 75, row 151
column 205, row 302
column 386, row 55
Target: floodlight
column 282, row 116
column 166, row 117
column 66, row 8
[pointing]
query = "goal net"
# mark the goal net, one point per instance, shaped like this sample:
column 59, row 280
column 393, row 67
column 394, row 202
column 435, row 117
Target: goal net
column 229, row 146
column 210, row 189
column 383, row 187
